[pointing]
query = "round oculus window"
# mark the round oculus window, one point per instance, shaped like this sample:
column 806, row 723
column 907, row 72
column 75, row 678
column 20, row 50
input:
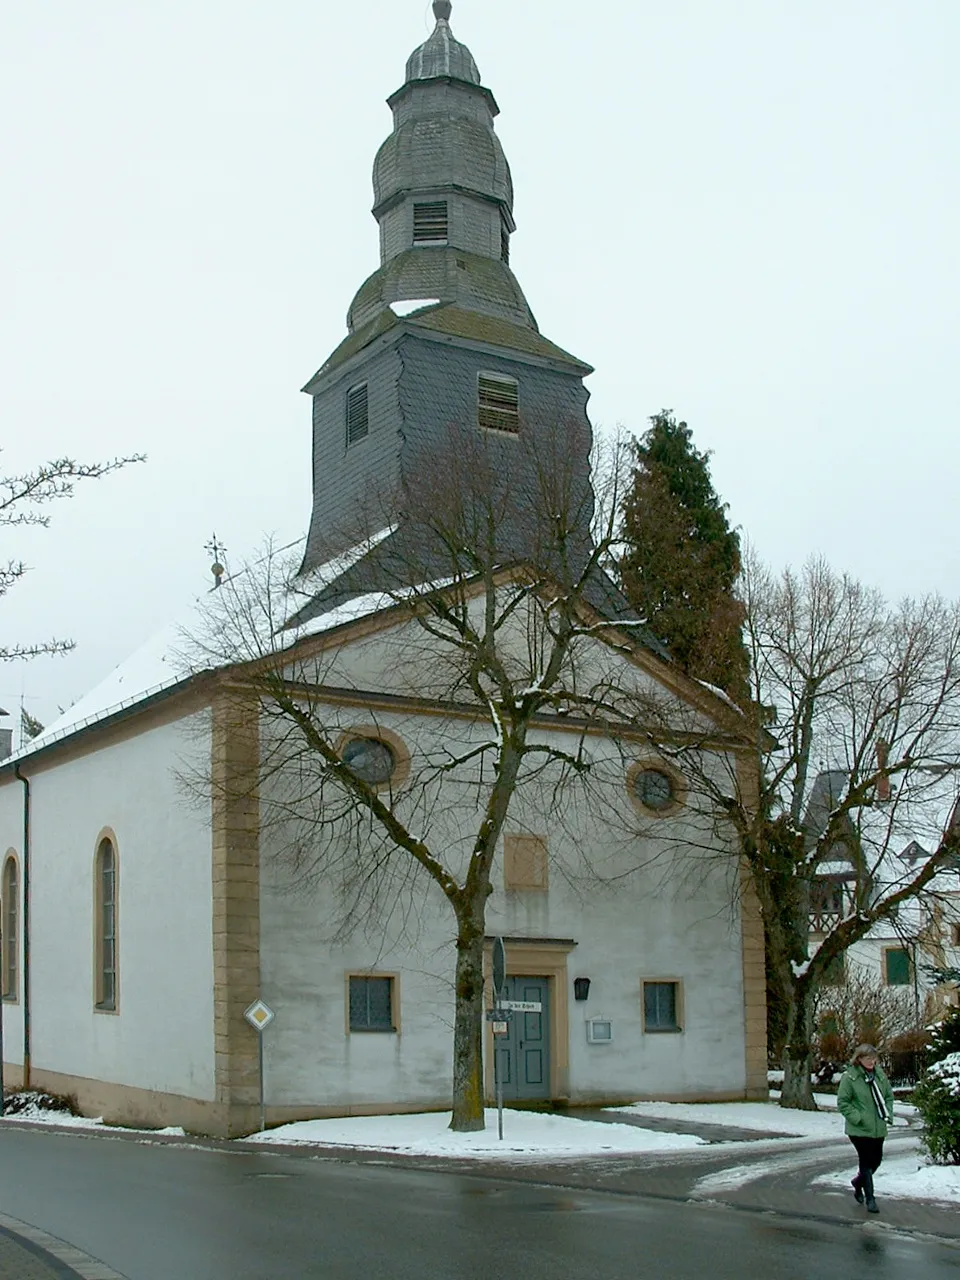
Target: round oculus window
column 370, row 759
column 655, row 789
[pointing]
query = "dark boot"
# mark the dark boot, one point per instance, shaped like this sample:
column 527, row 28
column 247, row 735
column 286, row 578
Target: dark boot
column 868, row 1192
column 857, row 1189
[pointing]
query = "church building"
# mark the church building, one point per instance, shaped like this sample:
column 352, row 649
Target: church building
column 143, row 915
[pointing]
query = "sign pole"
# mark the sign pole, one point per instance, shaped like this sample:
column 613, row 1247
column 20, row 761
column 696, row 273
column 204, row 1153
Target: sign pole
column 1, row 1024
column 260, row 1015
column 263, row 1124
column 499, row 981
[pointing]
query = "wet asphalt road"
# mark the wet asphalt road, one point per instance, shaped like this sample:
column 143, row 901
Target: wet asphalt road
column 169, row 1213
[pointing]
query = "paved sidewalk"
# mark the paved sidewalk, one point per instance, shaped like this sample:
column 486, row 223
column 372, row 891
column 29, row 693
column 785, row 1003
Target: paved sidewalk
column 27, row 1253
column 712, row 1133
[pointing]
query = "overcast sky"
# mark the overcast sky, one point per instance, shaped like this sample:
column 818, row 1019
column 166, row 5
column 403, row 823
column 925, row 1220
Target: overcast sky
column 743, row 210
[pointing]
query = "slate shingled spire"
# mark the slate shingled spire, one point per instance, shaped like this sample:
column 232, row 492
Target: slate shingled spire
column 442, row 55
column 443, row 194
column 443, row 357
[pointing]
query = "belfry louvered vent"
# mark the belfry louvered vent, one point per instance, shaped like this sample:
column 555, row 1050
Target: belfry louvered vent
column 358, row 413
column 430, row 223
column 498, row 402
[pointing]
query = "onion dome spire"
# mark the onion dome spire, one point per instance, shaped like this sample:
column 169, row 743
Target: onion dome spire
column 442, row 55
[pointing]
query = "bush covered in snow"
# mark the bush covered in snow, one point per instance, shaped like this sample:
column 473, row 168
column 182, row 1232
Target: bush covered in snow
column 937, row 1098
column 945, row 1037
column 26, row 1103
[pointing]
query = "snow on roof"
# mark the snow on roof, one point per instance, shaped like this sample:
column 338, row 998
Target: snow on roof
column 148, row 671
column 161, row 663
column 719, row 693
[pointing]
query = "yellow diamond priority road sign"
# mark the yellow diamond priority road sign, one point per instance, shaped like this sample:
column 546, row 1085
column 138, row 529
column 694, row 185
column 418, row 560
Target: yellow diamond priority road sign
column 259, row 1015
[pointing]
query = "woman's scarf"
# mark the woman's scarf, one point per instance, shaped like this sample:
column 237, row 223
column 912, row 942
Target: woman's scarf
column 878, row 1098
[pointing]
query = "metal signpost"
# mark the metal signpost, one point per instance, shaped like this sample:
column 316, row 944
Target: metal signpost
column 500, row 1018
column 260, row 1015
column 1, row 1025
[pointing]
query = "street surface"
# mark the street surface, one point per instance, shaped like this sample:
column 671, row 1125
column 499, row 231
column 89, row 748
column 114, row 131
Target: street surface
column 172, row 1212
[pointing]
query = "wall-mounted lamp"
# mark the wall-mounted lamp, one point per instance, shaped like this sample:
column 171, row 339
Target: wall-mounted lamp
column 581, row 988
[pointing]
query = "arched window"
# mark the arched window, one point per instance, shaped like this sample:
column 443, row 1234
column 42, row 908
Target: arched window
column 106, row 925
column 10, row 906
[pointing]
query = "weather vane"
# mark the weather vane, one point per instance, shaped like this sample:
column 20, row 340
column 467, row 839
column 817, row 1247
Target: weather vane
column 218, row 551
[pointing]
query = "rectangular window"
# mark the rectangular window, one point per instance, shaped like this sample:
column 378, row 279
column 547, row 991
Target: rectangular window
column 430, row 222
column 525, row 863
column 826, row 897
column 498, row 399
column 504, row 244
column 371, row 1004
column 896, row 967
column 358, row 414
column 661, row 1006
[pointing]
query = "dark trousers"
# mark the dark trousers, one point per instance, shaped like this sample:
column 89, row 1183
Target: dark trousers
column 870, row 1155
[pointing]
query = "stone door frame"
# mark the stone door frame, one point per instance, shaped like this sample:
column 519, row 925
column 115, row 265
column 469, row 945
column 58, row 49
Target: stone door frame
column 536, row 958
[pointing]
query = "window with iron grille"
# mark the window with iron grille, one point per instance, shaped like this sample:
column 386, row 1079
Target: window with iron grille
column 498, row 399
column 661, row 1006
column 11, row 929
column 106, row 926
column 371, row 1004
column 430, row 222
column 358, row 414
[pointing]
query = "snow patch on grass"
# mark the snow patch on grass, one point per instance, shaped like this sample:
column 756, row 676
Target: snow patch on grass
column 526, row 1134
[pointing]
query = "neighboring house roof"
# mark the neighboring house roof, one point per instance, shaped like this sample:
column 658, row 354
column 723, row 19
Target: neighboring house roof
column 825, row 794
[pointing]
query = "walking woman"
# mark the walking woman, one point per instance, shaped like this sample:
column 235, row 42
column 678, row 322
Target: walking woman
column 865, row 1100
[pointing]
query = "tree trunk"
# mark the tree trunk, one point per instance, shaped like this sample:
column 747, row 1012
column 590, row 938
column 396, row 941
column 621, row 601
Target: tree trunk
column 797, row 1090
column 468, row 1026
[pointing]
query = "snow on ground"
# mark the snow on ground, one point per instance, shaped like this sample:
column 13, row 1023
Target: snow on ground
column 528, row 1134
column 758, row 1115
column 40, row 1115
column 33, row 1114
column 908, row 1178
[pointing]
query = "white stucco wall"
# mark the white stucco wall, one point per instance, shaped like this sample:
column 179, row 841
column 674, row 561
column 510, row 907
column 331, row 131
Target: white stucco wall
column 649, row 906
column 162, row 1036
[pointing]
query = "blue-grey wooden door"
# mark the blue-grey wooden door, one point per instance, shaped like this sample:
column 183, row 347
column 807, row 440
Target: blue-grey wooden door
column 523, row 1056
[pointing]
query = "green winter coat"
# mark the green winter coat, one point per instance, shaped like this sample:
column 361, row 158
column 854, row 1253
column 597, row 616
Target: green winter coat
column 855, row 1103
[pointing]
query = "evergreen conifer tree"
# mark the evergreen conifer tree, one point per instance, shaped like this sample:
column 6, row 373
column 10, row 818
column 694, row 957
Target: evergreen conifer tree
column 682, row 559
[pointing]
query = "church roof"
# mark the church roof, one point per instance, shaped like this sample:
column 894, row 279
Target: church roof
column 455, row 322
column 442, row 55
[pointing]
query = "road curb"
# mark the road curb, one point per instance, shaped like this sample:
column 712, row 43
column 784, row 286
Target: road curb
column 72, row 1261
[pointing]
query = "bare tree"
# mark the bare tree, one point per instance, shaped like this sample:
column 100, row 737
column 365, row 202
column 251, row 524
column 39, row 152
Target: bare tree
column 23, row 501
column 856, row 705
column 502, row 610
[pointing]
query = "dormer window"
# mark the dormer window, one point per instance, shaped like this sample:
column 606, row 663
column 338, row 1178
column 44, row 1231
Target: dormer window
column 430, row 222
column 498, row 401
column 358, row 414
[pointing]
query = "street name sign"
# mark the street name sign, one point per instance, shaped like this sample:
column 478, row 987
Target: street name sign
column 522, row 1006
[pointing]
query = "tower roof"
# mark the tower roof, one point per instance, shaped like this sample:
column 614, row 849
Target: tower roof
column 442, row 55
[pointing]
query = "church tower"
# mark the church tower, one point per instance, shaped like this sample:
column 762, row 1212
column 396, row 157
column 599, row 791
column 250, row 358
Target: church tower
column 440, row 335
